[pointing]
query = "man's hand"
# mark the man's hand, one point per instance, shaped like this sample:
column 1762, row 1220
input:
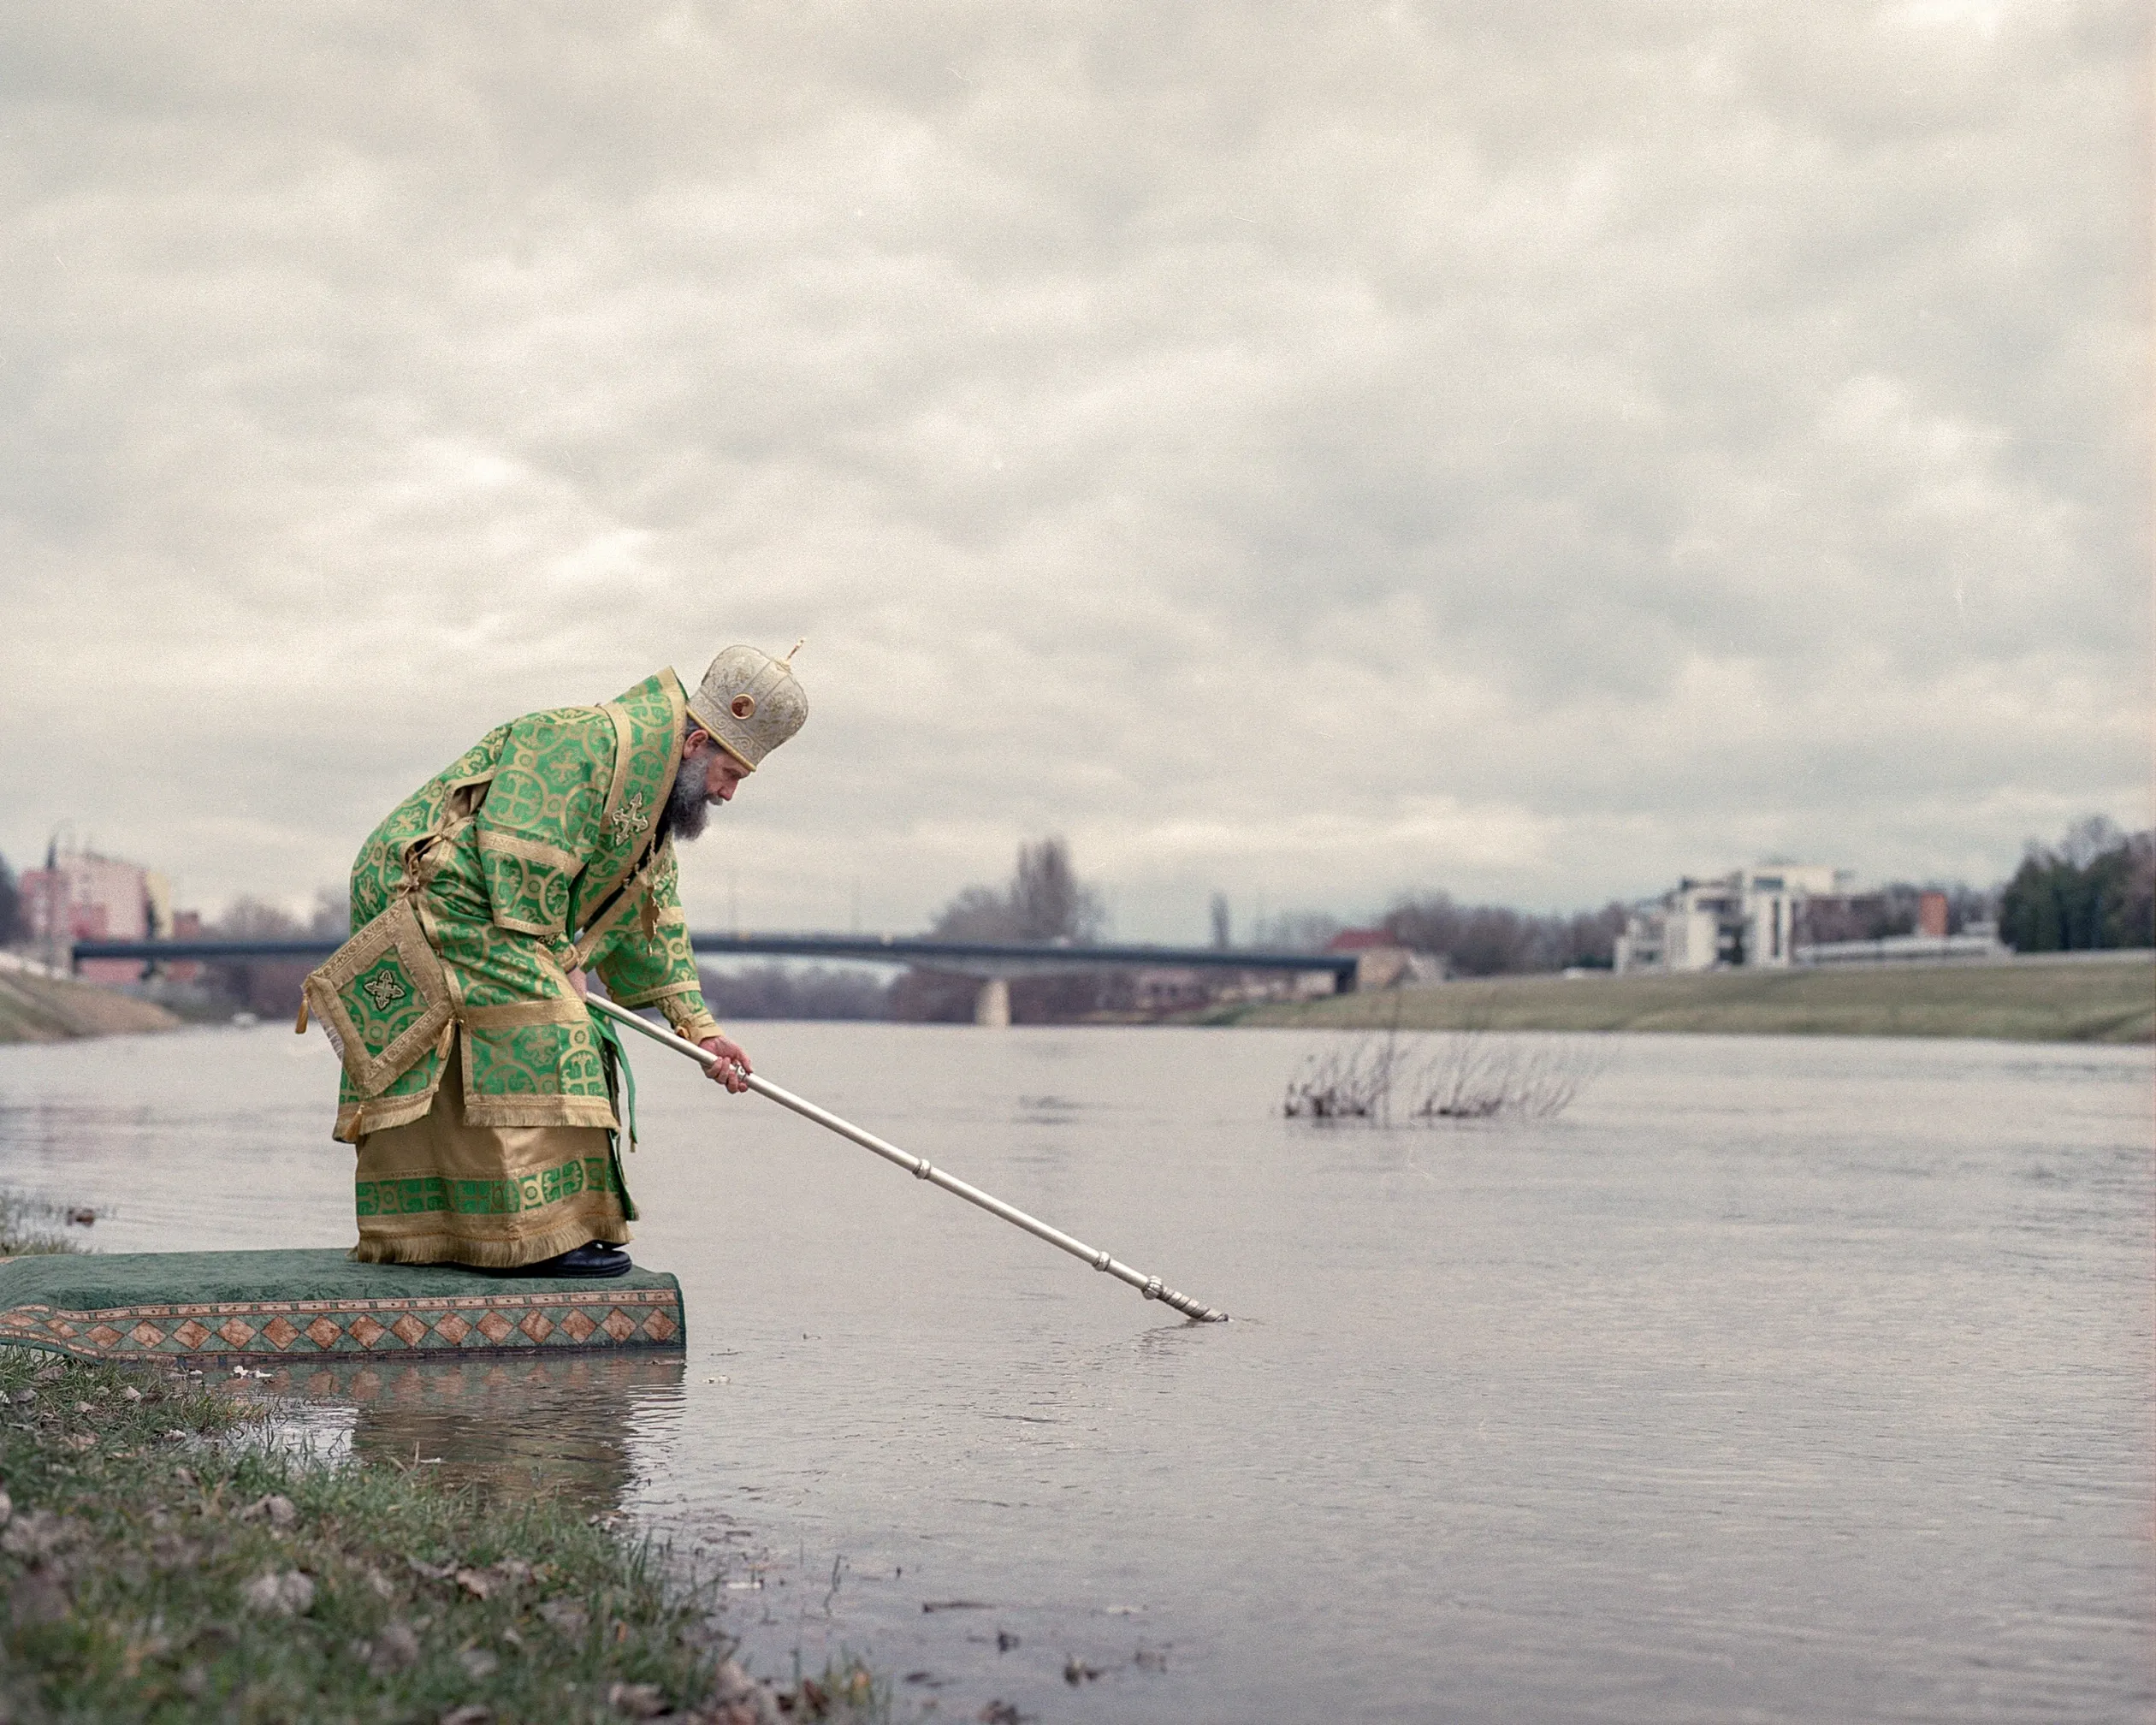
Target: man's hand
column 732, row 1068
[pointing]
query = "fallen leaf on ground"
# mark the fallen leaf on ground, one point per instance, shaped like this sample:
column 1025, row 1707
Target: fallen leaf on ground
column 289, row 1594
column 758, row 1709
column 565, row 1615
column 38, row 1534
column 276, row 1508
column 171, row 1551
column 729, row 1682
column 38, row 1596
column 396, row 1649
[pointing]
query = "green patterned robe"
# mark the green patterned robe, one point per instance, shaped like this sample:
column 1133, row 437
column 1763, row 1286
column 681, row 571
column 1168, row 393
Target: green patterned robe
column 530, row 856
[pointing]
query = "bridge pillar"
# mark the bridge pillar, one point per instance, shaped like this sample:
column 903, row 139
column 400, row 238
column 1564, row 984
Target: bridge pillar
column 991, row 1005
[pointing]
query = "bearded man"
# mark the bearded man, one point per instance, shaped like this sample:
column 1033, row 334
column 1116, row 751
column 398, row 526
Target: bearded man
column 481, row 1095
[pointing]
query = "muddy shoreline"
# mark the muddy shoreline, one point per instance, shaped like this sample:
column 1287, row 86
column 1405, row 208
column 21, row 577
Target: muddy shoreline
column 37, row 1008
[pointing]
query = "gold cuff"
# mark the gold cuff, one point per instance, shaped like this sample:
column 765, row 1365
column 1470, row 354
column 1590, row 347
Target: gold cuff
column 691, row 1027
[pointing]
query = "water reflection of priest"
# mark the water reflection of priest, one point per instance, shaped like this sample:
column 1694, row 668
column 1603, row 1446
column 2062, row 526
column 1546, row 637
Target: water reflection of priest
column 563, row 1424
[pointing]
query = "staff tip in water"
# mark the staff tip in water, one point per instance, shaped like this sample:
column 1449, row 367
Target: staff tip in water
column 1151, row 1287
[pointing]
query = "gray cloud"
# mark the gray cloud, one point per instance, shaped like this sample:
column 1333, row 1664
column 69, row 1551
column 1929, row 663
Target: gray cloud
column 1305, row 450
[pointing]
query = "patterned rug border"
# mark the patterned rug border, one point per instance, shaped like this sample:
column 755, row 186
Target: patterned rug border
column 344, row 1328
column 443, row 1302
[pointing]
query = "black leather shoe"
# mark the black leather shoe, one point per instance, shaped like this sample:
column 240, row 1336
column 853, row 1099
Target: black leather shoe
column 594, row 1258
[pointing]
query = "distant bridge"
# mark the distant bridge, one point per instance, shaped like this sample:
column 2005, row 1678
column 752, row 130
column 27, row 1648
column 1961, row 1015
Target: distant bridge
column 993, row 962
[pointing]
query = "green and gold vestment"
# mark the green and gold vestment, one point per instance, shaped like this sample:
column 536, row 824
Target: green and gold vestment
column 530, row 856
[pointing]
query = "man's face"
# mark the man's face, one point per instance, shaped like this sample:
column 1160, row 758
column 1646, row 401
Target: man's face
column 708, row 777
column 722, row 774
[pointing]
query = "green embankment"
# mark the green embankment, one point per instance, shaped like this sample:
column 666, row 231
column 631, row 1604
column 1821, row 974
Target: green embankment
column 49, row 1009
column 2027, row 1001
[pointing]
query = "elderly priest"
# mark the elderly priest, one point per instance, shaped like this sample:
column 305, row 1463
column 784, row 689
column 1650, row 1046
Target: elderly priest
column 485, row 1100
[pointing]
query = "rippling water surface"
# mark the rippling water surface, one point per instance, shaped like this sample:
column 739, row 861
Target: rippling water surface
column 1777, row 1379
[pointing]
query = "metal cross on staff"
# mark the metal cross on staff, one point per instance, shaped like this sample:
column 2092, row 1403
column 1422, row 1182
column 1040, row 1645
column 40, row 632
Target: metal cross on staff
column 1149, row 1286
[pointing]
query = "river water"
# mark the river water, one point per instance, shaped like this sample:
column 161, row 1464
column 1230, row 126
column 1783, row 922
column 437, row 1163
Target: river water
column 1775, row 1379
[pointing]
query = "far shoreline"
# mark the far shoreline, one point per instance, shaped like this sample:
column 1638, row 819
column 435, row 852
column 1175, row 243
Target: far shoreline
column 2103, row 997
column 2051, row 998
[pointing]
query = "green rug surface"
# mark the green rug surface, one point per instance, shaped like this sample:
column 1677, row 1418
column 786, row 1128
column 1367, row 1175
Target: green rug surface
column 297, row 1303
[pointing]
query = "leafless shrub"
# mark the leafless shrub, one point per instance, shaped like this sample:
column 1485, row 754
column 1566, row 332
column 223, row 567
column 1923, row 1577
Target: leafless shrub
column 1471, row 1077
column 1454, row 1075
column 1351, row 1084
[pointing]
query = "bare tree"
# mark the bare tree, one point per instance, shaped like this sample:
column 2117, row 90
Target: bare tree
column 332, row 918
column 2089, row 837
column 977, row 913
column 1047, row 900
column 793, row 990
column 1494, row 939
column 267, row 986
column 1297, row 931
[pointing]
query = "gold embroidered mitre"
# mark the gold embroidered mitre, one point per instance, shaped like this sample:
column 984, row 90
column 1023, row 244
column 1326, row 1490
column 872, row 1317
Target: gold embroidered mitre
column 750, row 702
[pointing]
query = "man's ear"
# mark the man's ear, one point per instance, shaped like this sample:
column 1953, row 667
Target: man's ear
column 697, row 737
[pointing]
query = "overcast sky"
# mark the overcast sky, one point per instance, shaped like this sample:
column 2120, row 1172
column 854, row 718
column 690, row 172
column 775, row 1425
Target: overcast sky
column 1307, row 451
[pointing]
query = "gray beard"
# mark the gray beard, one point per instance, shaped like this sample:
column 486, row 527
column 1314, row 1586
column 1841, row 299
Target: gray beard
column 688, row 806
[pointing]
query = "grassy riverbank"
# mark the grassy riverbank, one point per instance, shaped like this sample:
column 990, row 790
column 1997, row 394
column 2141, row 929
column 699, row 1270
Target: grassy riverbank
column 153, row 1571
column 2022, row 1002
column 51, row 1008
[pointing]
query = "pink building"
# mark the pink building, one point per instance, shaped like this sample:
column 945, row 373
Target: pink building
column 81, row 896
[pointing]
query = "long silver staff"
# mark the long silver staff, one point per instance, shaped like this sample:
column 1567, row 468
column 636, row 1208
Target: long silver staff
column 1149, row 1286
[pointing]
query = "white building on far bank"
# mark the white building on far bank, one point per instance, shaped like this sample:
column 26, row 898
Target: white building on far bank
column 1745, row 917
